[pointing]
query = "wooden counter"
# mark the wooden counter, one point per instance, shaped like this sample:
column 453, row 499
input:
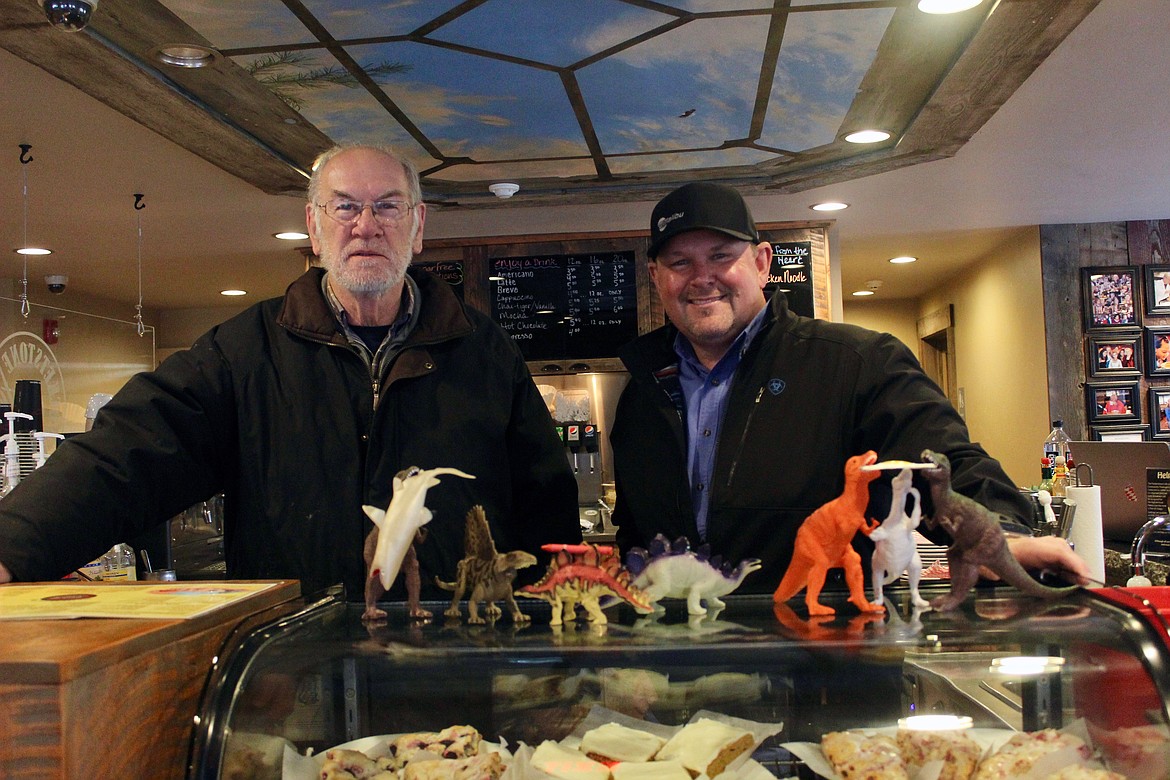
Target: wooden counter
column 110, row 697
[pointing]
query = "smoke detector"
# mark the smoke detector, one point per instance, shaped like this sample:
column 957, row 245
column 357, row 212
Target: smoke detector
column 504, row 189
column 873, row 284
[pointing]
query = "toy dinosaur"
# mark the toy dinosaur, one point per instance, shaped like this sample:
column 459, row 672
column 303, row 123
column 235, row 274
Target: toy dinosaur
column 674, row 571
column 584, row 574
column 823, row 542
column 390, row 545
column 484, row 574
column 976, row 540
column 894, row 548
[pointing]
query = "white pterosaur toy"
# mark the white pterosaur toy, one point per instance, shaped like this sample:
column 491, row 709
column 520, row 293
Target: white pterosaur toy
column 390, row 545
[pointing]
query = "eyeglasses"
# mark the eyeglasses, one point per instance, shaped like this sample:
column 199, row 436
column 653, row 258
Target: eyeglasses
column 386, row 212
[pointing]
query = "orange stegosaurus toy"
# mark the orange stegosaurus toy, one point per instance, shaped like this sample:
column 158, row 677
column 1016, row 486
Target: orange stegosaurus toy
column 823, row 542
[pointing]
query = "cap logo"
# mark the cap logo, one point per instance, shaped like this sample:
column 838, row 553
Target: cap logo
column 664, row 221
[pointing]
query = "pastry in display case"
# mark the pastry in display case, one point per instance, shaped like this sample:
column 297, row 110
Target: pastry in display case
column 1003, row 686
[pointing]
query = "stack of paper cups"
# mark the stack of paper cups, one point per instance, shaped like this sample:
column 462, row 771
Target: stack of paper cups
column 1085, row 534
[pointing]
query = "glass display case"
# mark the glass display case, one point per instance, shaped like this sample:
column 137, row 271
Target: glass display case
column 1090, row 668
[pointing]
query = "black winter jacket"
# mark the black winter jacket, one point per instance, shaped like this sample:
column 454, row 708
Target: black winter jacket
column 277, row 410
column 807, row 395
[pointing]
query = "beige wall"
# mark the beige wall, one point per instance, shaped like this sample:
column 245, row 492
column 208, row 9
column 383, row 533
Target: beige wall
column 999, row 352
column 899, row 318
column 97, row 350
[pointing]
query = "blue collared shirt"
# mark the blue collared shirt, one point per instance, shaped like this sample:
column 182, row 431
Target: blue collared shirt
column 705, row 396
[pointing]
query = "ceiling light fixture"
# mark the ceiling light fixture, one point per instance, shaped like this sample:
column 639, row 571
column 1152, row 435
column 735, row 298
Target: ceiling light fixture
column 504, row 189
column 832, row 205
column 185, row 55
column 867, row 137
column 903, row 259
column 291, row 235
column 230, row 293
column 946, row 6
column 33, row 250
column 862, row 293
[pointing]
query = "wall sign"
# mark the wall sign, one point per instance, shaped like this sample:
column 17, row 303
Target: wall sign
column 791, row 273
column 566, row 307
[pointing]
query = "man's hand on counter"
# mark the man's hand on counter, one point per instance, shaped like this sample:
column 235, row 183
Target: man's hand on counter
column 1051, row 554
column 4, row 575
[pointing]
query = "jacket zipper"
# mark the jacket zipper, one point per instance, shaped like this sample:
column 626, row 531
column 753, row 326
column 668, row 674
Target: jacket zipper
column 743, row 436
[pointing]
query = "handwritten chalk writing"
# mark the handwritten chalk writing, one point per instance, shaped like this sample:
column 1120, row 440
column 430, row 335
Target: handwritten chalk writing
column 572, row 306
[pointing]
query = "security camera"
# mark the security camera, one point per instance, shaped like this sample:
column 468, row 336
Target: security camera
column 68, row 15
column 56, row 283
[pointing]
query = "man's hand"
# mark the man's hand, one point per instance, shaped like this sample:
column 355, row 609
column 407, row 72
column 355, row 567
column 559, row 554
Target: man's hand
column 1052, row 554
column 4, row 575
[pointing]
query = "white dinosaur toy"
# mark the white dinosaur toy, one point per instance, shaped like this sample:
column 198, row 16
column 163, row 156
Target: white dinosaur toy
column 675, row 571
column 894, row 548
column 391, row 541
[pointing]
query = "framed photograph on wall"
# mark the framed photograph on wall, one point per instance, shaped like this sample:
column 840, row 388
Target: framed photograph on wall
column 1110, row 297
column 1119, row 432
column 1160, row 412
column 1114, row 354
column 1157, row 288
column 1157, row 351
column 1113, row 402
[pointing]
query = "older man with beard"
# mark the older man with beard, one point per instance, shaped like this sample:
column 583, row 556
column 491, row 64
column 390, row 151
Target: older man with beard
column 303, row 408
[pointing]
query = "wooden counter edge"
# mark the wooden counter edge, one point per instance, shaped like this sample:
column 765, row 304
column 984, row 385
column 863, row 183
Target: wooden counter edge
column 69, row 649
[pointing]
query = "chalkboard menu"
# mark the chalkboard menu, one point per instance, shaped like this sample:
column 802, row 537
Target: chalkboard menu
column 450, row 271
column 791, row 273
column 566, row 307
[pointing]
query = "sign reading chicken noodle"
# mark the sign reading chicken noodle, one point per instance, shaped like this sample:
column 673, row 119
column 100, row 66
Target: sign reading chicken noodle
column 573, row 307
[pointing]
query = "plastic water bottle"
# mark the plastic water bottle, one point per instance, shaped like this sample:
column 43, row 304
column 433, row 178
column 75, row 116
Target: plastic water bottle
column 1057, row 444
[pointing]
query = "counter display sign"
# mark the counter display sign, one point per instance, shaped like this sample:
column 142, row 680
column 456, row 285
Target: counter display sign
column 557, row 307
column 791, row 273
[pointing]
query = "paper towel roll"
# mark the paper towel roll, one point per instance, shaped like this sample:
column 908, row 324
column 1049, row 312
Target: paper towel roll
column 1085, row 534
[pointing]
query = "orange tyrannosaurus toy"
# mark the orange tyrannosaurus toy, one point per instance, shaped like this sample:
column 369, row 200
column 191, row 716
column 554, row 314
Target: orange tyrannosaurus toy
column 823, row 542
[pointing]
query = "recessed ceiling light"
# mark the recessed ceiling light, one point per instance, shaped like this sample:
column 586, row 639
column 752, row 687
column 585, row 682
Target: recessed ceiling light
column 233, row 292
column 185, row 55
column 946, row 6
column 291, row 235
column 831, row 205
column 862, row 293
column 867, row 137
column 903, row 259
column 33, row 250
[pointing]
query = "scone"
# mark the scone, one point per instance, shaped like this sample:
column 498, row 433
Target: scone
column 654, row 770
column 559, row 761
column 856, row 756
column 451, row 742
column 707, row 746
column 615, row 742
column 1017, row 756
column 958, row 753
column 1082, row 772
column 485, row 766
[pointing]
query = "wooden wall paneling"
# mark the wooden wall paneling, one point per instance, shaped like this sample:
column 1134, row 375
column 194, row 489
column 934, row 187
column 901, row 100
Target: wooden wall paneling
column 1064, row 251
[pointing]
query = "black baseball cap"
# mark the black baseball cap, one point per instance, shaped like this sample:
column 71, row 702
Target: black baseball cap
column 701, row 206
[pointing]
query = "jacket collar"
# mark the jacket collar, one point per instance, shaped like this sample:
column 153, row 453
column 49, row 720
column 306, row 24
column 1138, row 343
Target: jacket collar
column 306, row 313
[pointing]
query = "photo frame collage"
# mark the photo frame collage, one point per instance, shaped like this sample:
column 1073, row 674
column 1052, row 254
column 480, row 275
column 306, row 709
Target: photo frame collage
column 1122, row 355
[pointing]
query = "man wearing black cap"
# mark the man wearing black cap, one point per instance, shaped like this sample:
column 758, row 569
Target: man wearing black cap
column 739, row 414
